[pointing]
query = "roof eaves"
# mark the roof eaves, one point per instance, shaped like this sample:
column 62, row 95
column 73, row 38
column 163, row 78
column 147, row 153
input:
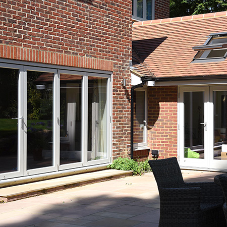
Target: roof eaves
column 134, row 71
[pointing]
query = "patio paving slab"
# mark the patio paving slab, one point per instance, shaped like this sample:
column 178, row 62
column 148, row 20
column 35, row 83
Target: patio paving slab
column 132, row 201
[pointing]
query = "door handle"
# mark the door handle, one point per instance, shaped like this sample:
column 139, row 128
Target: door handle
column 205, row 125
column 20, row 118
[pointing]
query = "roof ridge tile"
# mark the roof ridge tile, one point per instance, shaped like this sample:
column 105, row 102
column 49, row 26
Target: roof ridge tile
column 181, row 19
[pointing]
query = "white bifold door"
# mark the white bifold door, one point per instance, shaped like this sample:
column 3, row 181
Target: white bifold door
column 52, row 120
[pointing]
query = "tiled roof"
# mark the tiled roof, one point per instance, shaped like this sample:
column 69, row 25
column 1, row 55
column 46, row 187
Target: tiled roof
column 139, row 66
column 165, row 45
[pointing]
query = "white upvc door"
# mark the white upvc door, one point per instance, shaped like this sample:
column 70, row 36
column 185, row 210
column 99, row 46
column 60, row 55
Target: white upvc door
column 218, row 133
column 70, row 108
column 12, row 124
column 41, row 121
column 202, row 127
column 193, row 126
column 97, row 121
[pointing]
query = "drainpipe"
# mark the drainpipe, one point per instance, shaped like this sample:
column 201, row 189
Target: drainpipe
column 132, row 111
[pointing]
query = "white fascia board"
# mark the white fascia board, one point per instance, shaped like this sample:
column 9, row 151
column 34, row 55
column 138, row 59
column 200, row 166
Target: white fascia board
column 135, row 79
column 151, row 83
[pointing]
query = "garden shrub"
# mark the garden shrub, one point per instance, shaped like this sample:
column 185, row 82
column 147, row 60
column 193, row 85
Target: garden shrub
column 138, row 167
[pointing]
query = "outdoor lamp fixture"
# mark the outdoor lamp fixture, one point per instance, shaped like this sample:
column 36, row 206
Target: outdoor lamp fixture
column 124, row 82
column 155, row 154
column 40, row 86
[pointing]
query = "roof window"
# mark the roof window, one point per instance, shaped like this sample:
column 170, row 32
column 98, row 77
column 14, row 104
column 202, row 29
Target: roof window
column 214, row 49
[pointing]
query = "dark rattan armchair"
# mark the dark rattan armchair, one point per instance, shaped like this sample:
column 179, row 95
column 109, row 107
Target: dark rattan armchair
column 222, row 181
column 186, row 204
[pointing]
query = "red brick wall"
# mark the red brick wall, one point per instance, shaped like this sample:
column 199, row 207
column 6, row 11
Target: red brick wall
column 93, row 34
column 162, row 120
column 161, row 9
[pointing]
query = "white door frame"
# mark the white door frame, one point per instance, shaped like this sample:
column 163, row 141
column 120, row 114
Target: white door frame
column 55, row 123
column 109, row 121
column 20, row 123
column 208, row 163
column 192, row 162
column 214, row 163
column 143, row 145
column 75, row 164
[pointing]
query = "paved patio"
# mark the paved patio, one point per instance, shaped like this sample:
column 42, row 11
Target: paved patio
column 126, row 202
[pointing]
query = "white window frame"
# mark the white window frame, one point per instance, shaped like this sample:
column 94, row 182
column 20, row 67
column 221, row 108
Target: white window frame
column 143, row 145
column 134, row 13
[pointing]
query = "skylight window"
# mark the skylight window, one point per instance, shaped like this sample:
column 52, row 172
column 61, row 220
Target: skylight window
column 214, row 49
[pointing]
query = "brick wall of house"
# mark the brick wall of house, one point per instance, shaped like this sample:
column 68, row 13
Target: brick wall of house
column 162, row 120
column 79, row 33
column 161, row 9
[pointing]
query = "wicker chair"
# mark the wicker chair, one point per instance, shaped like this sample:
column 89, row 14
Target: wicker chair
column 186, row 204
column 222, row 181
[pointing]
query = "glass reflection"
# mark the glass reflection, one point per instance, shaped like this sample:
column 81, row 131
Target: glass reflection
column 97, row 118
column 8, row 120
column 140, row 8
column 220, row 119
column 39, row 123
column 149, row 9
column 70, row 110
column 194, row 125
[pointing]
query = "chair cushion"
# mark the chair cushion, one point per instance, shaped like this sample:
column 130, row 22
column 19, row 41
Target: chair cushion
column 210, row 206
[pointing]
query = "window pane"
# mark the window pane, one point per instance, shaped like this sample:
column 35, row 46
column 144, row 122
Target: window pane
column 217, row 40
column 140, row 8
column 39, row 123
column 193, row 125
column 149, row 10
column 70, row 115
column 220, row 119
column 97, row 118
column 8, row 125
column 139, row 117
column 133, row 7
column 217, row 53
column 199, row 54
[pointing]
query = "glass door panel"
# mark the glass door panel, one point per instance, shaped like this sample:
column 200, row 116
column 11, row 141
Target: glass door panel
column 8, row 120
column 194, row 125
column 220, row 119
column 39, row 119
column 70, row 118
column 97, row 118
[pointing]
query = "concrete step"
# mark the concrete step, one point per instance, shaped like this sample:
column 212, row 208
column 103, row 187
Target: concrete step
column 12, row 193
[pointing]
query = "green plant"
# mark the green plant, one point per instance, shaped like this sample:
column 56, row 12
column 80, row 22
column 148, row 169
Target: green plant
column 130, row 164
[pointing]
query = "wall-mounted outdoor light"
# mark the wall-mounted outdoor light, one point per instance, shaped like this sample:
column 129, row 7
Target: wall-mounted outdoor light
column 155, row 154
column 124, row 82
